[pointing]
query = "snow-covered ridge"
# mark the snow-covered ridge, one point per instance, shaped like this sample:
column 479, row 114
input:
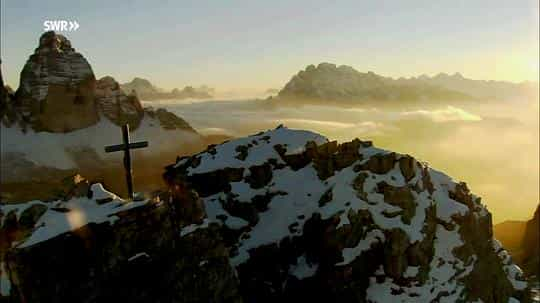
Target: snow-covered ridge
column 405, row 201
column 257, row 148
column 63, row 216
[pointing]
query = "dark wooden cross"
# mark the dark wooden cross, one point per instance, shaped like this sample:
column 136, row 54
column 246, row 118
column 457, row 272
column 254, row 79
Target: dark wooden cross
column 126, row 147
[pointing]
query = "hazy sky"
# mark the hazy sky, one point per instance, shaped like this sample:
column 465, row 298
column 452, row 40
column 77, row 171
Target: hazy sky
column 261, row 44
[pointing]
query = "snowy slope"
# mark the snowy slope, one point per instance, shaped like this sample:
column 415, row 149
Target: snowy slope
column 52, row 149
column 408, row 205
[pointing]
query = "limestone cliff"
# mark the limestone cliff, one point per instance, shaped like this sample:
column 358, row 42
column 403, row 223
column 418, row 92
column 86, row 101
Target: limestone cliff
column 56, row 89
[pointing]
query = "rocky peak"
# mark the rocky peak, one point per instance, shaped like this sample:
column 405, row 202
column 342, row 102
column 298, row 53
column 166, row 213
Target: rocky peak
column 348, row 222
column 56, row 89
column 58, row 93
column 115, row 105
column 327, row 80
column 54, row 61
column 53, row 42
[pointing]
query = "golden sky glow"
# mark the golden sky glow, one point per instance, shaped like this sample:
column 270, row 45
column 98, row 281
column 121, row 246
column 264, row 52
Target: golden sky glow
column 255, row 45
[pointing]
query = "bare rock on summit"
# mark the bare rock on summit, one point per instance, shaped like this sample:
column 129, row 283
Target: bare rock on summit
column 56, row 88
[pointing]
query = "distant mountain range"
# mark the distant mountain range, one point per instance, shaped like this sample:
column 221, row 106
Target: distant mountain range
column 145, row 90
column 328, row 82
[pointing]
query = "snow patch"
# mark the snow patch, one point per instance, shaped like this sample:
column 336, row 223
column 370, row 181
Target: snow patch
column 18, row 208
column 76, row 213
column 411, row 272
column 303, row 269
column 349, row 254
column 137, row 256
column 193, row 227
column 259, row 152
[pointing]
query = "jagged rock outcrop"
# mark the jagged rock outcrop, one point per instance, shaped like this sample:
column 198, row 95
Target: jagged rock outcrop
column 120, row 108
column 17, row 221
column 312, row 220
column 116, row 105
column 56, row 90
column 100, row 248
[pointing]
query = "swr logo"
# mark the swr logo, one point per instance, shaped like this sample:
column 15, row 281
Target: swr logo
column 60, row 25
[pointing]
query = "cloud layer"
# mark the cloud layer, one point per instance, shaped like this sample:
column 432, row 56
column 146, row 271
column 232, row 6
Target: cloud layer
column 493, row 147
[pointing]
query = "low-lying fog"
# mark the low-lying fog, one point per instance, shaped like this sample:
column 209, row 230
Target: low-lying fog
column 492, row 146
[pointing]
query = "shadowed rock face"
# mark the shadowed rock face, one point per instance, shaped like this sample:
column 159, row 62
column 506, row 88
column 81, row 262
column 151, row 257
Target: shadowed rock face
column 4, row 94
column 57, row 87
column 139, row 256
column 522, row 239
column 9, row 113
column 531, row 245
